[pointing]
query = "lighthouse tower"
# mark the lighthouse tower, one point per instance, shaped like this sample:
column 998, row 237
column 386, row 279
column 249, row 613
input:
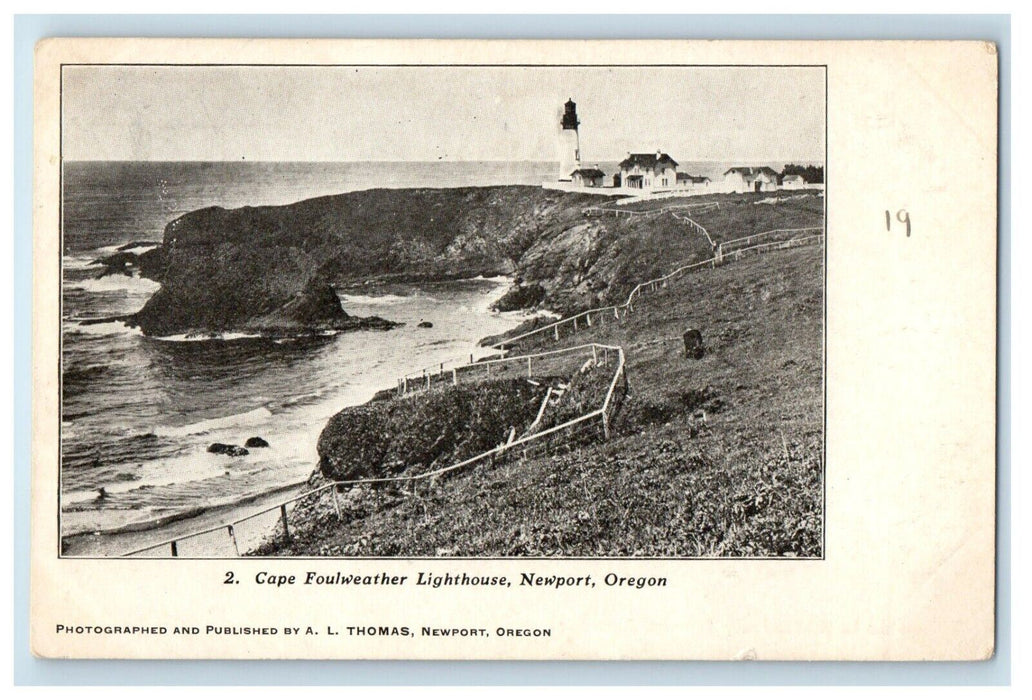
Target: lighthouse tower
column 569, row 142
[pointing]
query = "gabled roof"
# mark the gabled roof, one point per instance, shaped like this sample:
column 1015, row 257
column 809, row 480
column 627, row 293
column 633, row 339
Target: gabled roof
column 588, row 173
column 647, row 160
column 746, row 171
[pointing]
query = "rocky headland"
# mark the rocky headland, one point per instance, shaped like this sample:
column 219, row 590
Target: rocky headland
column 274, row 270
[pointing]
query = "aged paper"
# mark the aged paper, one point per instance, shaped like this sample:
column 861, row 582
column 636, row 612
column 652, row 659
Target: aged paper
column 514, row 350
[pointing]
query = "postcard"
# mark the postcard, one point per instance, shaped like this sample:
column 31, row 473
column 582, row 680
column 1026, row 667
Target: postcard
column 514, row 349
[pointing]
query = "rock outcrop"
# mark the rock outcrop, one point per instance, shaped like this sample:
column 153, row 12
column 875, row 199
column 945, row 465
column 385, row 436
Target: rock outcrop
column 221, row 448
column 411, row 436
column 274, row 269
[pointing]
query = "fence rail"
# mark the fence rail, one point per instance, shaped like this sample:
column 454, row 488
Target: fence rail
column 747, row 241
column 229, row 539
column 631, row 213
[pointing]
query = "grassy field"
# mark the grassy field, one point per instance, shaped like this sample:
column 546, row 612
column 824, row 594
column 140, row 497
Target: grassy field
column 721, row 456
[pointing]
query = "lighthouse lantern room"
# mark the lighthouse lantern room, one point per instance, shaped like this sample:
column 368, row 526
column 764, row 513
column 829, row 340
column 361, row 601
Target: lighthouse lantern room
column 569, row 142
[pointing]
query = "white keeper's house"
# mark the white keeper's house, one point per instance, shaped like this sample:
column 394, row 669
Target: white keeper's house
column 648, row 171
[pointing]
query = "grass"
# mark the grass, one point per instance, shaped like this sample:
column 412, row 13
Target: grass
column 719, row 457
column 613, row 254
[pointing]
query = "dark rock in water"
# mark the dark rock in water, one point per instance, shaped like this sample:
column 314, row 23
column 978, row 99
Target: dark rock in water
column 256, row 442
column 314, row 310
column 521, row 297
column 693, row 348
column 425, row 324
column 220, row 448
column 119, row 263
column 149, row 263
column 138, row 244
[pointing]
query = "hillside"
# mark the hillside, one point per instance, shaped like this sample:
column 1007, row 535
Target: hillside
column 721, row 456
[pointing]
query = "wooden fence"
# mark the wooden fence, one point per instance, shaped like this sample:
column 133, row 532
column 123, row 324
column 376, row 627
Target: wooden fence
column 631, row 213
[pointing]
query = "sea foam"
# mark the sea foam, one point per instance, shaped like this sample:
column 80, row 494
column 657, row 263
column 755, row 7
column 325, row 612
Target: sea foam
column 238, row 420
column 116, row 283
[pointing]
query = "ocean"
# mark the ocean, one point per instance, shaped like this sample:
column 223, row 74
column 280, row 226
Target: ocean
column 139, row 413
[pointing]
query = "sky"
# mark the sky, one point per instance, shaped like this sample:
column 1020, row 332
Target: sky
column 439, row 113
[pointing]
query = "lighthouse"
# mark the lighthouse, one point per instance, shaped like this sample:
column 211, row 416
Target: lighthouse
column 569, row 142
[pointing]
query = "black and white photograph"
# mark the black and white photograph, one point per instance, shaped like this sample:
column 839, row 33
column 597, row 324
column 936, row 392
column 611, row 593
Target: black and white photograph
column 442, row 311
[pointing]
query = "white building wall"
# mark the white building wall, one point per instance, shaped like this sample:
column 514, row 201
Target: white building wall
column 569, row 153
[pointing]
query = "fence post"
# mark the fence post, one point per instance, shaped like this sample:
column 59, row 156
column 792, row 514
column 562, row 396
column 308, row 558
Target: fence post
column 530, row 373
column 557, row 332
column 574, row 324
column 594, row 354
column 232, row 536
column 605, row 425
column 405, row 384
column 588, row 319
column 428, row 382
column 336, row 502
column 283, row 515
column 175, row 550
column 454, row 377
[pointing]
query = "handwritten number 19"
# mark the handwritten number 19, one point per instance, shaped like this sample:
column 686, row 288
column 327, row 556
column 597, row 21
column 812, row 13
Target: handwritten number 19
column 903, row 216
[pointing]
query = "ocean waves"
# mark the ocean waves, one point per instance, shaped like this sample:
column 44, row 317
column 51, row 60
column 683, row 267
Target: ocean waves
column 115, row 284
column 239, row 420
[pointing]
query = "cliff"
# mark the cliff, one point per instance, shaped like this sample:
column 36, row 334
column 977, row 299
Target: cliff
column 273, row 268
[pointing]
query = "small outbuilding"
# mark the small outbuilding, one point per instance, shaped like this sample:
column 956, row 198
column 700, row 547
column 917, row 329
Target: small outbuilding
column 750, row 179
column 692, row 182
column 588, row 177
column 793, row 182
